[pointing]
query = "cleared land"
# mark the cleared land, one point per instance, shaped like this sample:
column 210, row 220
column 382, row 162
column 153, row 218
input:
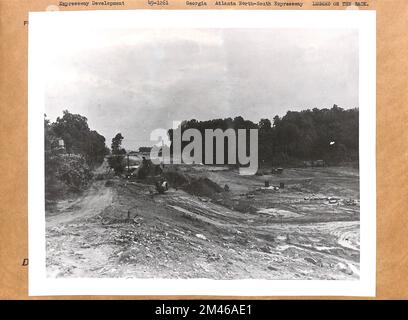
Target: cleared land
column 121, row 228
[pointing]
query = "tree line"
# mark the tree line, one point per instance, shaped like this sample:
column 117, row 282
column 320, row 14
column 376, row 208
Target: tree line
column 78, row 138
column 71, row 151
column 319, row 134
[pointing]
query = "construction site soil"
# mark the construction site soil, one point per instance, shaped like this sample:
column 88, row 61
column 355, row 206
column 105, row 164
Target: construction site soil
column 307, row 228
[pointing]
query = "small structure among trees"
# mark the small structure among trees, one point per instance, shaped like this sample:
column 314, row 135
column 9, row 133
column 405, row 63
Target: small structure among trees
column 71, row 150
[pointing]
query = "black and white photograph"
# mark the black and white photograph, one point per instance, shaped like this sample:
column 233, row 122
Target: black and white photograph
column 201, row 150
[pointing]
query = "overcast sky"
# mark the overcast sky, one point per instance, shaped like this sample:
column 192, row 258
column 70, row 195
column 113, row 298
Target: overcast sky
column 133, row 81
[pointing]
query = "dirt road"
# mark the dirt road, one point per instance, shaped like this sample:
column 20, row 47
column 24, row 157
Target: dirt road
column 126, row 230
column 95, row 200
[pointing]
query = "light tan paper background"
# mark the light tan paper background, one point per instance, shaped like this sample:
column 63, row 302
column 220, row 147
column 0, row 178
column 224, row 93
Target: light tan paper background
column 392, row 144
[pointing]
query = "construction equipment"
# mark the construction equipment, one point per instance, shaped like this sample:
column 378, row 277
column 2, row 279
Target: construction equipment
column 162, row 186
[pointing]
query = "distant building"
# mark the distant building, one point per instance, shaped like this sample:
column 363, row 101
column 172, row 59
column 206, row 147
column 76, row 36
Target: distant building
column 145, row 149
column 59, row 147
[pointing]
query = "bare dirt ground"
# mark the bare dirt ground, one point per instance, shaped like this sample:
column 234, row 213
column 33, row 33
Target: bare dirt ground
column 307, row 230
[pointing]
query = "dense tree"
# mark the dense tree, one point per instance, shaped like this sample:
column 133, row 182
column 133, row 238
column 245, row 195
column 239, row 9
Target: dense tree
column 78, row 138
column 68, row 167
column 117, row 158
column 327, row 134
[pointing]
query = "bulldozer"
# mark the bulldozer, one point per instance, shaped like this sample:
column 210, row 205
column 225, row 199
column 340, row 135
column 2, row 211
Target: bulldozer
column 162, row 186
column 150, row 171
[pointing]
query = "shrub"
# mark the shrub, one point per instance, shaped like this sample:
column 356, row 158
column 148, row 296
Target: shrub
column 65, row 173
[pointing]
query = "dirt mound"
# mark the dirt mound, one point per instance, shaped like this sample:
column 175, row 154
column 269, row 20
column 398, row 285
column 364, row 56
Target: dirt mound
column 203, row 187
column 176, row 178
column 199, row 186
column 148, row 169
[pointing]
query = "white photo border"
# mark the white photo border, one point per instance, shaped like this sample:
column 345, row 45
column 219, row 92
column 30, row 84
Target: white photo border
column 41, row 22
